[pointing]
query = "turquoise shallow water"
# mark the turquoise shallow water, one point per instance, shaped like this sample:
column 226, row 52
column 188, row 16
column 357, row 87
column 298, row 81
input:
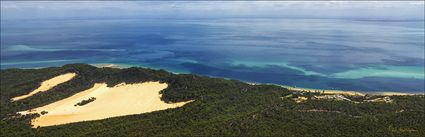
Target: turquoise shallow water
column 312, row 53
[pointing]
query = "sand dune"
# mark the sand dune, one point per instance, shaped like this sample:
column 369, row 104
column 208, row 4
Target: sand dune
column 48, row 84
column 120, row 100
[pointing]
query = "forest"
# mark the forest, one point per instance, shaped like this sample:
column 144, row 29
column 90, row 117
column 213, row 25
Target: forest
column 221, row 107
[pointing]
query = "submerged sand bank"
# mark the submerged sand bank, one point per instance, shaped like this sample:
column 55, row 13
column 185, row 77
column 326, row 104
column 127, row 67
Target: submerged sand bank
column 48, row 84
column 120, row 100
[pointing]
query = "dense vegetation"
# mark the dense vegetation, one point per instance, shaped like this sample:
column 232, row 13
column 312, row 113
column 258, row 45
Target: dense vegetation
column 86, row 101
column 221, row 108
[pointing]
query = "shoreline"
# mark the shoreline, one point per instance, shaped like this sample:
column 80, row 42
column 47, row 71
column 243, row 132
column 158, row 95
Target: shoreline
column 351, row 93
column 342, row 92
column 299, row 89
column 110, row 65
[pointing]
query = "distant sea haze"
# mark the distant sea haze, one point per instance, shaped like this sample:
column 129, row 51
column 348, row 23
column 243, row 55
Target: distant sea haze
column 359, row 55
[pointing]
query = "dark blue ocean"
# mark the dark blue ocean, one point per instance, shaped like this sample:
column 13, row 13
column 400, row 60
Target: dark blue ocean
column 362, row 55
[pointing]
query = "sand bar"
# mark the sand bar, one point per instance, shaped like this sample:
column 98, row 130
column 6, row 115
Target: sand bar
column 48, row 84
column 120, row 100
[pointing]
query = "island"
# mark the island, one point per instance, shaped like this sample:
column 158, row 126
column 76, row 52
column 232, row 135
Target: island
column 84, row 100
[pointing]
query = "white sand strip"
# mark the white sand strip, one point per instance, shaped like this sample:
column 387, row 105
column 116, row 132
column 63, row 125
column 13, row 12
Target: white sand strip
column 48, row 84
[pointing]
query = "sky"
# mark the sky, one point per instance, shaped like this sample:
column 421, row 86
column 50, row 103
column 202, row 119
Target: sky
column 394, row 10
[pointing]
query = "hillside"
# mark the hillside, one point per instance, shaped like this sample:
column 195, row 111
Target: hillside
column 219, row 107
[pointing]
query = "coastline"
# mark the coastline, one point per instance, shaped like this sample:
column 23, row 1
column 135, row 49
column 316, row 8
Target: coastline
column 351, row 93
column 343, row 92
column 110, row 65
column 298, row 89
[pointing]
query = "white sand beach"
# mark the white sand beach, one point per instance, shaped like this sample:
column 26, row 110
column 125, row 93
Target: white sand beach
column 349, row 93
column 106, row 65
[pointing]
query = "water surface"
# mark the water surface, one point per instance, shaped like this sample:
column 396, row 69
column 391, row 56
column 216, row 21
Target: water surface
column 364, row 55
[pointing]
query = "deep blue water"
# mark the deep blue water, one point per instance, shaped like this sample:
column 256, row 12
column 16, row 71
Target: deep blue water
column 361, row 55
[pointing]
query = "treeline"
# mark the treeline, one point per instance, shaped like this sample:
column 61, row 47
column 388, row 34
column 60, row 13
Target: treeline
column 221, row 108
column 85, row 101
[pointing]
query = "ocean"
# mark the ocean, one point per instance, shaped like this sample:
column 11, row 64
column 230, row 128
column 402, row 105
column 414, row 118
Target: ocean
column 338, row 54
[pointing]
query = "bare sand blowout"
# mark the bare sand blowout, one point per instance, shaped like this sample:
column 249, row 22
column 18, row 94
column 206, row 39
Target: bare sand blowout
column 48, row 84
column 120, row 100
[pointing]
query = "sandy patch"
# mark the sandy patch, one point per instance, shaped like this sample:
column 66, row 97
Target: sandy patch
column 393, row 93
column 350, row 93
column 300, row 99
column 344, row 92
column 120, row 100
column 101, row 65
column 48, row 84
